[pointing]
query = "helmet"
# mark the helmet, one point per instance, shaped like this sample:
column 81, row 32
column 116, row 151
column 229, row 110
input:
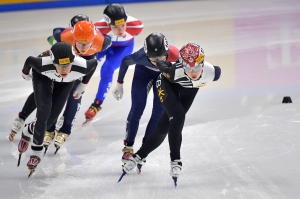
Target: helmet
column 155, row 45
column 84, row 32
column 115, row 14
column 62, row 53
column 79, row 17
column 191, row 55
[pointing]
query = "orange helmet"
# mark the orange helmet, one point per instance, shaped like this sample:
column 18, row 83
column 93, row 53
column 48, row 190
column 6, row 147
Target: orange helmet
column 84, row 32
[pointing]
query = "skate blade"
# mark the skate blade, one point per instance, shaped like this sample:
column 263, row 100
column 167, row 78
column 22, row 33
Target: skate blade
column 121, row 177
column 57, row 148
column 87, row 121
column 31, row 171
column 46, row 148
column 175, row 181
column 19, row 160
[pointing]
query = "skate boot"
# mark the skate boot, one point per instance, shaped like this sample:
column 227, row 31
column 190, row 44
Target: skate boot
column 32, row 163
column 49, row 136
column 127, row 153
column 130, row 165
column 23, row 146
column 176, row 167
column 60, row 140
column 15, row 128
column 91, row 113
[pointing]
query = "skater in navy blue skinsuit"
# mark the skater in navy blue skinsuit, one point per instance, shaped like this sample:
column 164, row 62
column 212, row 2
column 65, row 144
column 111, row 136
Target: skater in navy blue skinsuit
column 145, row 75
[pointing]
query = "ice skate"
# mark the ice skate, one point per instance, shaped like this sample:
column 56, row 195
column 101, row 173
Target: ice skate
column 91, row 113
column 127, row 153
column 130, row 165
column 60, row 140
column 23, row 146
column 32, row 163
column 49, row 136
column 15, row 128
column 176, row 167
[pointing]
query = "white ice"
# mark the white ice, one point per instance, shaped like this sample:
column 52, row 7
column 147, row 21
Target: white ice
column 239, row 139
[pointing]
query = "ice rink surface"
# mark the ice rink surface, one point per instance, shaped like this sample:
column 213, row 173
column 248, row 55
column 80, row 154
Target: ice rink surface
column 239, row 139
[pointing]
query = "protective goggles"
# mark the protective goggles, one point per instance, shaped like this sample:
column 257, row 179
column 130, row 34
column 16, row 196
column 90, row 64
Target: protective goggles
column 160, row 58
column 79, row 44
column 187, row 67
column 63, row 66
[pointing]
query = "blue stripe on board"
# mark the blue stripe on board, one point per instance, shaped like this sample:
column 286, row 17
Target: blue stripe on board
column 63, row 4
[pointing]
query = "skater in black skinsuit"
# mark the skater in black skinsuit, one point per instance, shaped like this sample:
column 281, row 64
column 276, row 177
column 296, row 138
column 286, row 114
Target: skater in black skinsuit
column 53, row 78
column 88, row 49
column 177, row 87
